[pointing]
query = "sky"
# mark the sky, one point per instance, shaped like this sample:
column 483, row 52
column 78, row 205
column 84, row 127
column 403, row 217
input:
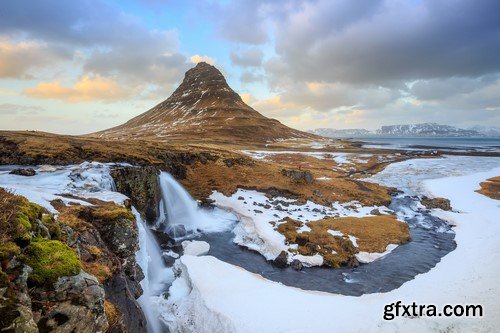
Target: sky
column 76, row 67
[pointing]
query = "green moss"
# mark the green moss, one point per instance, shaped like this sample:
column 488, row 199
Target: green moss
column 52, row 226
column 112, row 213
column 8, row 250
column 50, row 259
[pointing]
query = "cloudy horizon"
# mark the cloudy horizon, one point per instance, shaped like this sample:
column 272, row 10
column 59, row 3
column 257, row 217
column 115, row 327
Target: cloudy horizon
column 78, row 67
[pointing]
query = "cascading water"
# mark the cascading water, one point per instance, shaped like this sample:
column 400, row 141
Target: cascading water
column 180, row 214
column 157, row 276
column 179, row 206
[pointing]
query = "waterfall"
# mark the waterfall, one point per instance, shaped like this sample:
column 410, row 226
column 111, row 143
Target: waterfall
column 180, row 207
column 180, row 214
column 157, row 276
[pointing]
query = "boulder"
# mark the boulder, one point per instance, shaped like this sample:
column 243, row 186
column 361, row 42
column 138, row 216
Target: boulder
column 296, row 264
column 76, row 304
column 28, row 172
column 281, row 260
column 298, row 175
column 195, row 248
column 441, row 203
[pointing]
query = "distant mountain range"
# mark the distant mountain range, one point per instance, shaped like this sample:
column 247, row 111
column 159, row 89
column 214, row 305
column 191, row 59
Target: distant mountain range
column 424, row 130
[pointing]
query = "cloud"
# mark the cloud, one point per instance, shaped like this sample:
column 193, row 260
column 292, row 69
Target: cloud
column 18, row 58
column 250, row 77
column 241, row 22
column 389, row 40
column 251, row 57
column 85, row 89
column 101, row 38
column 202, row 58
column 17, row 109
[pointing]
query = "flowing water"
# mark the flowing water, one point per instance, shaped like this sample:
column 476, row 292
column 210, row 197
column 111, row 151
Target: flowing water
column 431, row 240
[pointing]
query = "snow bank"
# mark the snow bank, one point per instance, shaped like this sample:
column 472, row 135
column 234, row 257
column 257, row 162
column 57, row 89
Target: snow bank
column 222, row 297
column 195, row 248
column 87, row 180
column 256, row 213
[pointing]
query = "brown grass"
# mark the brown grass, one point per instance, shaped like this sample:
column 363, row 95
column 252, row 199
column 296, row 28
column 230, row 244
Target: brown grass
column 491, row 188
column 373, row 234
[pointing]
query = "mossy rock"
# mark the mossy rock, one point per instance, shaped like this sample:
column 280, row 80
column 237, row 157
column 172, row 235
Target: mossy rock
column 8, row 250
column 50, row 259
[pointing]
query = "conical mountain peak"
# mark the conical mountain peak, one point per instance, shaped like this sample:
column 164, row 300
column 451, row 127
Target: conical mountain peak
column 204, row 108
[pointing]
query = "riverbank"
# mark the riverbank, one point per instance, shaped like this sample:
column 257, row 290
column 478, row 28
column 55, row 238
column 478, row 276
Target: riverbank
column 467, row 275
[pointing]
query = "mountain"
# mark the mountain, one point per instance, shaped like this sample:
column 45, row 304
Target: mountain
column 491, row 131
column 341, row 133
column 203, row 109
column 425, row 129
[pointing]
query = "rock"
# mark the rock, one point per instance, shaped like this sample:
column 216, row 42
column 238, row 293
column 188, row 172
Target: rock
column 207, row 203
column 176, row 231
column 241, row 198
column 305, row 176
column 375, row 212
column 120, row 291
column 28, row 172
column 75, row 305
column 281, row 260
column 257, row 211
column 195, row 248
column 296, row 264
column 441, row 203
column 142, row 187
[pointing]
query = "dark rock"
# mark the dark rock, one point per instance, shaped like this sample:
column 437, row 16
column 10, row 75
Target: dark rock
column 298, row 175
column 352, row 262
column 375, row 212
column 316, row 210
column 141, row 185
column 296, row 264
column 121, row 293
column 267, row 206
column 207, row 203
column 441, row 203
column 281, row 260
column 257, row 211
column 176, row 231
column 23, row 172
column 276, row 215
column 241, row 198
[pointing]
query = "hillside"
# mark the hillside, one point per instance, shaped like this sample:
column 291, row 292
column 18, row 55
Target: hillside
column 203, row 108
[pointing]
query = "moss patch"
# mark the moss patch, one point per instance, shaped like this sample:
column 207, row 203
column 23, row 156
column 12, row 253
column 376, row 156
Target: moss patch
column 50, row 259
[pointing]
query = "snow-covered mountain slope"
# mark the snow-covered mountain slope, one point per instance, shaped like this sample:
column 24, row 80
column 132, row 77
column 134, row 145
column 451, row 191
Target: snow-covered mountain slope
column 425, row 129
column 203, row 108
column 341, row 133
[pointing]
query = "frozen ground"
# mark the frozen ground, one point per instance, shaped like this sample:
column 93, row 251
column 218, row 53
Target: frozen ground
column 213, row 296
column 257, row 214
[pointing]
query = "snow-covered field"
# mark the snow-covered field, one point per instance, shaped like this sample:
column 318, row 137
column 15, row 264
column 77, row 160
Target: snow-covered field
column 213, row 296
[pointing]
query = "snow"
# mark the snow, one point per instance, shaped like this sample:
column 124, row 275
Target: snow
column 87, row 180
column 339, row 158
column 255, row 229
column 195, row 248
column 366, row 257
column 219, row 297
